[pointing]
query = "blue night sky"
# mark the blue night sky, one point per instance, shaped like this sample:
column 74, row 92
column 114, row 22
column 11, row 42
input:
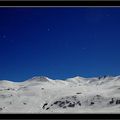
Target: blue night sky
column 59, row 42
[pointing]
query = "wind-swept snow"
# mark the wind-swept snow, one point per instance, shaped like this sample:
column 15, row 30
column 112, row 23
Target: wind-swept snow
column 74, row 95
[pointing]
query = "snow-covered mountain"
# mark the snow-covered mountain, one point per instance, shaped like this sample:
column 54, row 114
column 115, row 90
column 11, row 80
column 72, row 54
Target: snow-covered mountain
column 74, row 95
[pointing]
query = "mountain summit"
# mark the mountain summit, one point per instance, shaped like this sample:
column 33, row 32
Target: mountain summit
column 39, row 79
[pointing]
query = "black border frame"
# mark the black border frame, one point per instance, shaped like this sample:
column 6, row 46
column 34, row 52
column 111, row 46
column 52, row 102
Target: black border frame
column 59, row 3
column 61, row 116
column 23, row 3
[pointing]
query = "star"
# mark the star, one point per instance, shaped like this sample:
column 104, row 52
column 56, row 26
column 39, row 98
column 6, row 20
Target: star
column 48, row 29
column 3, row 36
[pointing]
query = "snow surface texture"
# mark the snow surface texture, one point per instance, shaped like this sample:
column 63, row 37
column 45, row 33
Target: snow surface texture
column 73, row 95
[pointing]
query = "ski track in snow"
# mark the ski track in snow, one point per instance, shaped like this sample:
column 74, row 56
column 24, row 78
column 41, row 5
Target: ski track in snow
column 73, row 95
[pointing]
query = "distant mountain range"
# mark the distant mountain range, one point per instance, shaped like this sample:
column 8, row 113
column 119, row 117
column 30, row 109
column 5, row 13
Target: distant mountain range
column 41, row 94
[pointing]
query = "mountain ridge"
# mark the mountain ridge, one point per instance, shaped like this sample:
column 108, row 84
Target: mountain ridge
column 41, row 94
column 40, row 78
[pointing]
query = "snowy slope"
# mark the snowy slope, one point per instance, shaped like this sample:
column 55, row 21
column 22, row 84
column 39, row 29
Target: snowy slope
column 74, row 95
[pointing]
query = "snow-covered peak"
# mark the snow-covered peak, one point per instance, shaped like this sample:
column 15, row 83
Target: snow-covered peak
column 39, row 79
column 75, row 78
column 6, row 82
column 117, row 77
column 78, row 77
